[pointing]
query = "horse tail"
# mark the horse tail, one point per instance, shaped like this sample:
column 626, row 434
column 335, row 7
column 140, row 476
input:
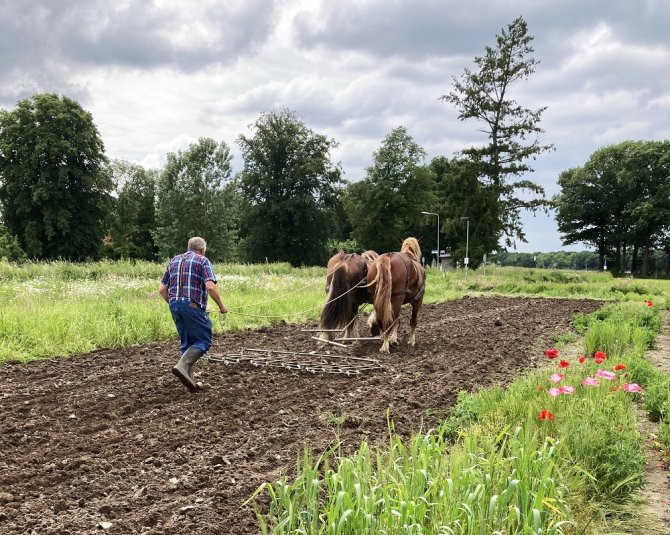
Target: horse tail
column 382, row 300
column 335, row 312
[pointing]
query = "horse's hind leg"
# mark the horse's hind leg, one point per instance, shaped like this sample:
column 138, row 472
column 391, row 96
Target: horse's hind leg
column 372, row 323
column 352, row 325
column 396, row 305
column 416, row 305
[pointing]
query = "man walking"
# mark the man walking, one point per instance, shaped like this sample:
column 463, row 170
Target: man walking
column 186, row 283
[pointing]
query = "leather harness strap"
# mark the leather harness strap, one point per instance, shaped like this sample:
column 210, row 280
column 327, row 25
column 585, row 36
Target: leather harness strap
column 407, row 291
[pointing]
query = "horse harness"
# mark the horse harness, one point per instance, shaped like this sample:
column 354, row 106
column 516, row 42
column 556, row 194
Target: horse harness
column 407, row 291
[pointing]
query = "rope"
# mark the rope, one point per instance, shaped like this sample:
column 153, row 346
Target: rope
column 287, row 294
column 303, row 311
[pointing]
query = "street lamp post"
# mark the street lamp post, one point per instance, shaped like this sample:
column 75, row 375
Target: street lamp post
column 466, row 260
column 438, row 236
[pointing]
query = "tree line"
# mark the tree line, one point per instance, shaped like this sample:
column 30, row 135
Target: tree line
column 619, row 203
column 61, row 197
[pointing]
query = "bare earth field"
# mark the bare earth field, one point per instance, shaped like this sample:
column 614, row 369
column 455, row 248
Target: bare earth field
column 111, row 441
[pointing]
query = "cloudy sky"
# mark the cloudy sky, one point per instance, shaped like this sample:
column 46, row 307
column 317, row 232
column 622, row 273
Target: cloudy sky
column 156, row 75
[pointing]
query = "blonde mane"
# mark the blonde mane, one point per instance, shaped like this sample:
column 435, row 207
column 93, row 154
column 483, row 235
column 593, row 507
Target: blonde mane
column 411, row 247
column 370, row 256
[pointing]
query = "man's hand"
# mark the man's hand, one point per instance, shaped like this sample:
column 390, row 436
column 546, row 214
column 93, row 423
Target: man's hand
column 223, row 309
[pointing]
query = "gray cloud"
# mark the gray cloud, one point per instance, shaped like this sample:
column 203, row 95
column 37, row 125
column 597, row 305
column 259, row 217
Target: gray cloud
column 43, row 43
column 438, row 27
column 159, row 74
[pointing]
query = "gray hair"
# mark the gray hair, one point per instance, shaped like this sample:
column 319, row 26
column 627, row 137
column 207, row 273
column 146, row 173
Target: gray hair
column 197, row 244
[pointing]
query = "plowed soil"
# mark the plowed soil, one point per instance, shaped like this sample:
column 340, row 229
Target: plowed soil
column 111, row 441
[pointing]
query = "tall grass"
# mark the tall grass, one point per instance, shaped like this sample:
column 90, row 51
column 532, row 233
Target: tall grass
column 483, row 485
column 61, row 308
column 549, row 283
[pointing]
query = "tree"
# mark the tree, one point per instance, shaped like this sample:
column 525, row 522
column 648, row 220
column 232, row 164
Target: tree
column 385, row 207
column 484, row 95
column 289, row 187
column 54, row 189
column 461, row 194
column 584, row 211
column 646, row 175
column 196, row 197
column 133, row 219
column 10, row 249
column 619, row 201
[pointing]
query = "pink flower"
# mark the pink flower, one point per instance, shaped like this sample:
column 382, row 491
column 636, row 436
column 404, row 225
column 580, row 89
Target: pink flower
column 551, row 353
column 556, row 378
column 590, row 381
column 546, row 415
column 603, row 374
column 563, row 364
column 631, row 387
column 582, row 360
column 553, row 392
column 567, row 389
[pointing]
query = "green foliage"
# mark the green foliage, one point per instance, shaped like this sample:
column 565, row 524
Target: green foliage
column 10, row 249
column 385, row 207
column 54, row 191
column 618, row 329
column 132, row 221
column 657, row 399
column 664, row 439
column 508, row 484
column 512, row 130
column 289, row 188
column 349, row 246
column 619, row 201
column 581, row 260
column 462, row 195
column 196, row 197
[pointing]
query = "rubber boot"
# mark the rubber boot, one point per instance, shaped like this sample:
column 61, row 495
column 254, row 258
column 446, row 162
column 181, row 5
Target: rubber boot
column 184, row 368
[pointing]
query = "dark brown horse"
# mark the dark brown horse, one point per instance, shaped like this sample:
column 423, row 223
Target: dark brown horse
column 396, row 279
column 345, row 288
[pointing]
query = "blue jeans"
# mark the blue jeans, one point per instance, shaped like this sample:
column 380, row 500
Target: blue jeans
column 193, row 325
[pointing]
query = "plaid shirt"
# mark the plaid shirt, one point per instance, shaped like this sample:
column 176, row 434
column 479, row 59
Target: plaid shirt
column 185, row 277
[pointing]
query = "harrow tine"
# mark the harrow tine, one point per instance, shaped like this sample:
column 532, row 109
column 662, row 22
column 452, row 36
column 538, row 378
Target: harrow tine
column 311, row 362
column 363, row 339
column 328, row 342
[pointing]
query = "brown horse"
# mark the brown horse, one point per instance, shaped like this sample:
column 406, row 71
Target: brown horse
column 396, row 279
column 345, row 288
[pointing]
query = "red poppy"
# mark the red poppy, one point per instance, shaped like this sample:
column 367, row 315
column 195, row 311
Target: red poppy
column 649, row 303
column 582, row 360
column 563, row 364
column 619, row 367
column 551, row 353
column 600, row 357
column 546, row 415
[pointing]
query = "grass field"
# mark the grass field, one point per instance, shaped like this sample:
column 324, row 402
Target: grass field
column 545, row 455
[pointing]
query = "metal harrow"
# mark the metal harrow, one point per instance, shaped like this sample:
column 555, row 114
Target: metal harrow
column 311, row 362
